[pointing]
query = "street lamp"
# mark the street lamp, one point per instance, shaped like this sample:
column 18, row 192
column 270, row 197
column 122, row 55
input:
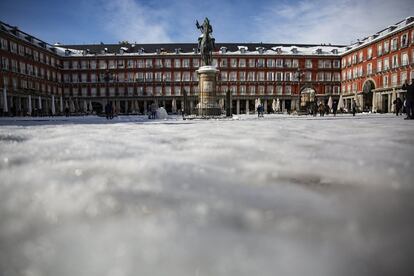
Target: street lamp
column 299, row 75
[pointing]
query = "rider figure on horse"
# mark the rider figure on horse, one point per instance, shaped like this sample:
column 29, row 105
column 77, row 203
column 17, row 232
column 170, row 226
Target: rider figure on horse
column 206, row 43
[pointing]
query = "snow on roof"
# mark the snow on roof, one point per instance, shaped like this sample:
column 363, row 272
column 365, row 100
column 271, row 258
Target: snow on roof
column 390, row 30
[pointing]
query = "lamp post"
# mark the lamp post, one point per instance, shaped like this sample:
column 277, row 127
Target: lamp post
column 299, row 75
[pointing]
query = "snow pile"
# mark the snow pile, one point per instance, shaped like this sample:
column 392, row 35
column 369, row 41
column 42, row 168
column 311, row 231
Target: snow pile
column 161, row 113
column 276, row 196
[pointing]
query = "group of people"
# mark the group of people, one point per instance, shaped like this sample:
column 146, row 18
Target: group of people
column 409, row 101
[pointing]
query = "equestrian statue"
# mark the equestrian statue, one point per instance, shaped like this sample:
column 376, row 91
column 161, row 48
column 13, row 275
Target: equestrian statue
column 206, row 43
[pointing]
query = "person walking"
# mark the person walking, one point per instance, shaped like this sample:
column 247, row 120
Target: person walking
column 398, row 105
column 353, row 106
column 409, row 99
column 334, row 108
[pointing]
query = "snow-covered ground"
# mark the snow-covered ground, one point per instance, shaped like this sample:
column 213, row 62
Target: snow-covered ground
column 282, row 195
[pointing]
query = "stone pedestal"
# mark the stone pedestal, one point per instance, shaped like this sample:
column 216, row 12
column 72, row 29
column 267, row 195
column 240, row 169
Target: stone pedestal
column 207, row 104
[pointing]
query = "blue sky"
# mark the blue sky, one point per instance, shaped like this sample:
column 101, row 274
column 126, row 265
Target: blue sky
column 146, row 21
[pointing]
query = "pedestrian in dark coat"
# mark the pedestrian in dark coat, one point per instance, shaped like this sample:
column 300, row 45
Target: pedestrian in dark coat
column 398, row 105
column 409, row 99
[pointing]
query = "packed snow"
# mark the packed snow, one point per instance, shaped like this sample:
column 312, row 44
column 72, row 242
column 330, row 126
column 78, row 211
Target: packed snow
column 279, row 195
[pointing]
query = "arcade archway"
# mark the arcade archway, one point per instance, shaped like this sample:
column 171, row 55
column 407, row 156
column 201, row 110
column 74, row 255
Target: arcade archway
column 367, row 95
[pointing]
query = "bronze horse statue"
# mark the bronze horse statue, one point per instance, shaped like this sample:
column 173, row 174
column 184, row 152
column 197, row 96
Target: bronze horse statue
column 206, row 43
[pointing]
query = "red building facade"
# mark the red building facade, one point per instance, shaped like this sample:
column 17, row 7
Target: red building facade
column 375, row 68
column 37, row 77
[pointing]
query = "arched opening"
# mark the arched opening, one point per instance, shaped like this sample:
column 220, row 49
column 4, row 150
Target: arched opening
column 97, row 107
column 307, row 98
column 367, row 93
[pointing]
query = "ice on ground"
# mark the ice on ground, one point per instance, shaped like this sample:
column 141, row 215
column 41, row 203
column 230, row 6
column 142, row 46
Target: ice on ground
column 282, row 195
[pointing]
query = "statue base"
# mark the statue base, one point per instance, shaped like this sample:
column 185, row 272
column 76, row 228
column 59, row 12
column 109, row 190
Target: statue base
column 207, row 104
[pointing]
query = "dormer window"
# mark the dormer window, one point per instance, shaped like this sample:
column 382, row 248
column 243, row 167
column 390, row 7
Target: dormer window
column 177, row 50
column 141, row 51
column 261, row 50
column 294, row 50
column 335, row 51
column 158, row 51
column 278, row 51
column 67, row 52
column 223, row 50
column 319, row 51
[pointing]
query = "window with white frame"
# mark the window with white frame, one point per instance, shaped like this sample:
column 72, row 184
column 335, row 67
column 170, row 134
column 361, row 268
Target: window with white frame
column 233, row 62
column 404, row 59
column 369, row 53
column 288, row 90
column 224, row 76
column 320, row 63
column 121, row 77
column 295, row 63
column 394, row 79
column 224, row 88
column 148, row 63
column 308, row 76
column 111, row 64
column 177, row 76
column 242, row 63
column 196, row 62
column 361, row 56
column 354, row 58
column 13, row 47
column 279, row 90
column 186, row 63
column 404, row 40
column 252, row 89
column 308, row 63
column 288, row 63
column 158, row 90
column 403, row 77
column 385, row 81
column 4, row 43
column 167, row 63
column 269, row 89
column 386, row 64
column 394, row 44
column 336, row 63
column 242, row 76
column 279, row 76
column 186, row 76
column 336, row 76
column 379, row 49
column 84, row 64
column 158, row 76
column 369, row 68
column 288, row 76
column 102, row 64
column 166, row 76
column 158, row 63
column 395, row 61
column 242, row 89
column 261, row 89
column 168, row 90
column 386, row 46
column 269, row 76
column 149, row 90
column 270, row 63
column 148, row 76
column 320, row 76
column 279, row 63
column 328, row 76
column 233, row 76
column 233, row 89
column 250, row 76
column 260, row 62
column 84, row 77
column 260, row 76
